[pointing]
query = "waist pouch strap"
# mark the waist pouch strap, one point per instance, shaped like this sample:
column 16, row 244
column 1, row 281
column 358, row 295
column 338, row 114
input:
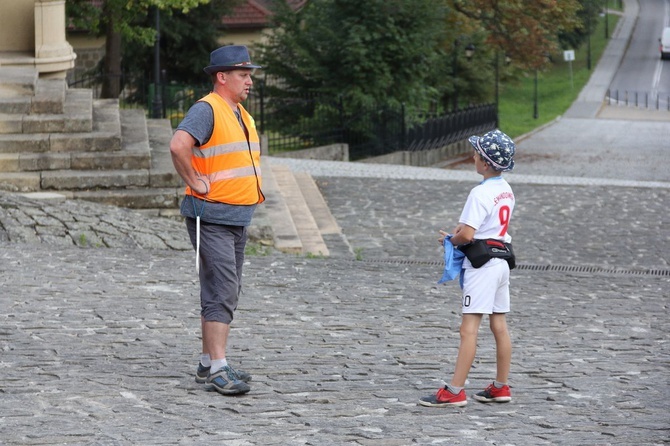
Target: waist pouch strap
column 481, row 251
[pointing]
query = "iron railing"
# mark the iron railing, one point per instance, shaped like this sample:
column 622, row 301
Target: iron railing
column 310, row 120
column 638, row 99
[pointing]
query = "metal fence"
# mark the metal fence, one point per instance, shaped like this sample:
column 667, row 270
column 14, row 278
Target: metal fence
column 311, row 120
column 639, row 99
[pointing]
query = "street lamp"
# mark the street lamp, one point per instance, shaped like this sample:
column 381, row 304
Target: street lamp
column 157, row 105
column 497, row 86
column 588, row 47
column 469, row 52
column 535, row 113
column 547, row 58
column 606, row 21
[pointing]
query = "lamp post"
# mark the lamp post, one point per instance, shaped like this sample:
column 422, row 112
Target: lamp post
column 535, row 113
column 497, row 93
column 469, row 52
column 606, row 21
column 157, row 104
column 588, row 46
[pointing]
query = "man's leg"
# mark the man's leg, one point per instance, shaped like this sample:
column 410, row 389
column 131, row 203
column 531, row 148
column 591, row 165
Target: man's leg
column 214, row 338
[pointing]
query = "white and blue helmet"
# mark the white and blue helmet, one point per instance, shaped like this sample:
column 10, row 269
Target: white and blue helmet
column 496, row 148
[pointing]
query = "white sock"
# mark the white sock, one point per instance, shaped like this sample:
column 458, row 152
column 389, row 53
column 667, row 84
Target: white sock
column 453, row 389
column 499, row 385
column 205, row 360
column 218, row 364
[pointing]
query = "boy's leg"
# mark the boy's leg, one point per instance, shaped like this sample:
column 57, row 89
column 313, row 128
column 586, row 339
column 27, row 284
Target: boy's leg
column 498, row 323
column 499, row 391
column 467, row 349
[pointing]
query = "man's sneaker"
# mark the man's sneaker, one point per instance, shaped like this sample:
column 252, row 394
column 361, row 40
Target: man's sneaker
column 444, row 398
column 492, row 394
column 202, row 372
column 226, row 382
column 241, row 375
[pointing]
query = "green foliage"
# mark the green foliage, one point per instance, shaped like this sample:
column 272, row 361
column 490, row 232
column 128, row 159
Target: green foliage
column 368, row 52
column 587, row 17
column 186, row 39
column 122, row 16
column 555, row 92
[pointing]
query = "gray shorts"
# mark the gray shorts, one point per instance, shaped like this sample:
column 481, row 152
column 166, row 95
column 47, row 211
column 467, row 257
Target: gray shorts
column 221, row 261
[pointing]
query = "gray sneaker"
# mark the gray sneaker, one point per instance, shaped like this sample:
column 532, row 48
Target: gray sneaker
column 226, row 382
column 202, row 373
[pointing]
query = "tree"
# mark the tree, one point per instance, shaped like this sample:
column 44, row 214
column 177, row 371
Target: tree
column 369, row 52
column 186, row 39
column 118, row 20
column 524, row 30
column 587, row 17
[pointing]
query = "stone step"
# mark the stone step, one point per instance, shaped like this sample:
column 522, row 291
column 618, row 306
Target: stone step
column 77, row 116
column 306, row 226
column 28, row 162
column 93, row 179
column 284, row 233
column 151, row 199
column 95, row 127
column 17, row 81
column 60, row 142
column 162, row 172
column 50, row 96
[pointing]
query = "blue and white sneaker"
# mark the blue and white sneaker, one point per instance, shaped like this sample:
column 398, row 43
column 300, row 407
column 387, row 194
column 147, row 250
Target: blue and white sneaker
column 226, row 382
column 202, row 373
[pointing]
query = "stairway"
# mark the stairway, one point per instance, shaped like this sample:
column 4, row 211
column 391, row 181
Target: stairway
column 59, row 139
column 55, row 139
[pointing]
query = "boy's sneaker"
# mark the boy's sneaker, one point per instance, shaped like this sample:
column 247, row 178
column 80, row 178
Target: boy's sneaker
column 202, row 373
column 226, row 382
column 444, row 398
column 492, row 394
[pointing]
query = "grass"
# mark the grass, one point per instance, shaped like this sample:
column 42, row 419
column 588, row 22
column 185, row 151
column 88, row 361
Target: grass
column 555, row 91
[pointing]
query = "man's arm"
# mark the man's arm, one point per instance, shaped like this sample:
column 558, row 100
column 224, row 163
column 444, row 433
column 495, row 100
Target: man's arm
column 181, row 146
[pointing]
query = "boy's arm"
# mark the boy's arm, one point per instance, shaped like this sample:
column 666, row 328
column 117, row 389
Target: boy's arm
column 462, row 234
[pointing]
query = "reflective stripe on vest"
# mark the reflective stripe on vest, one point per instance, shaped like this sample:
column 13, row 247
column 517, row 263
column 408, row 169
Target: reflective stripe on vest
column 231, row 164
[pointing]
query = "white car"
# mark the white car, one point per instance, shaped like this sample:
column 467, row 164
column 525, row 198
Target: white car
column 664, row 46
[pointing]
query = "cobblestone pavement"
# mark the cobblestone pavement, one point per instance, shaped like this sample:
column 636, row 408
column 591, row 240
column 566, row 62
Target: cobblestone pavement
column 99, row 339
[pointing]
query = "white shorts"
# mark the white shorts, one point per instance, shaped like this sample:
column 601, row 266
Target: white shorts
column 486, row 289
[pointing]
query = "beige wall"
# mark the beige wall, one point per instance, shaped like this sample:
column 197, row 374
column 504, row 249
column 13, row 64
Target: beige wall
column 17, row 25
column 32, row 34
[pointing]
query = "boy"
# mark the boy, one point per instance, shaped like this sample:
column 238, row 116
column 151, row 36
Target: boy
column 486, row 215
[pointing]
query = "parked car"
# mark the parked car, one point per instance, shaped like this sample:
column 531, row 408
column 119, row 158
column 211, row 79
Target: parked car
column 664, row 41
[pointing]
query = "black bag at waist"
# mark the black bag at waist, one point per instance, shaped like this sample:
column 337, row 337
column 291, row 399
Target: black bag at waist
column 479, row 252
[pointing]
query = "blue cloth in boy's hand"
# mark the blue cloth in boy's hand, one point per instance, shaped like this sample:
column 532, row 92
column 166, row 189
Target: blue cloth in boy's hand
column 453, row 261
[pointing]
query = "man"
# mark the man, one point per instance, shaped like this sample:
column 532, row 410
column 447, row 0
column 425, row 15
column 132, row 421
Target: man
column 216, row 151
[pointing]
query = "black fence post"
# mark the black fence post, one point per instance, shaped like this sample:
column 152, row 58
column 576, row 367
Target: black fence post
column 261, row 95
column 403, row 128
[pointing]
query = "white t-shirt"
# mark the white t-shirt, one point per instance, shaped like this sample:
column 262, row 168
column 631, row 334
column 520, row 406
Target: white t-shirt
column 489, row 209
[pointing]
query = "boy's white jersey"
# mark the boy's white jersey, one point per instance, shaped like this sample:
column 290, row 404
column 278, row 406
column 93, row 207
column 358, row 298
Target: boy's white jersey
column 489, row 208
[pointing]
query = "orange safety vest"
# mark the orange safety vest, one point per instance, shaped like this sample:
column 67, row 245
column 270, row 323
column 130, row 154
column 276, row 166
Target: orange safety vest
column 230, row 161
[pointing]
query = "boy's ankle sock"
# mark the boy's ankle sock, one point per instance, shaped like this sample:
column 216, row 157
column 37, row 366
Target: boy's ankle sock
column 453, row 389
column 499, row 385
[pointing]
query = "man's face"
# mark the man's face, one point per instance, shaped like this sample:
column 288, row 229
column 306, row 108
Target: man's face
column 237, row 84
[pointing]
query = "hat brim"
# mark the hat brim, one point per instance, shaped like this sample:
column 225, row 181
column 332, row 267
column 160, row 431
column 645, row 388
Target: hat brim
column 216, row 68
column 474, row 140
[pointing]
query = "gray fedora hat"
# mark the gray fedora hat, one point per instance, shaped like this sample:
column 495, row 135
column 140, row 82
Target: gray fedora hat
column 231, row 57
